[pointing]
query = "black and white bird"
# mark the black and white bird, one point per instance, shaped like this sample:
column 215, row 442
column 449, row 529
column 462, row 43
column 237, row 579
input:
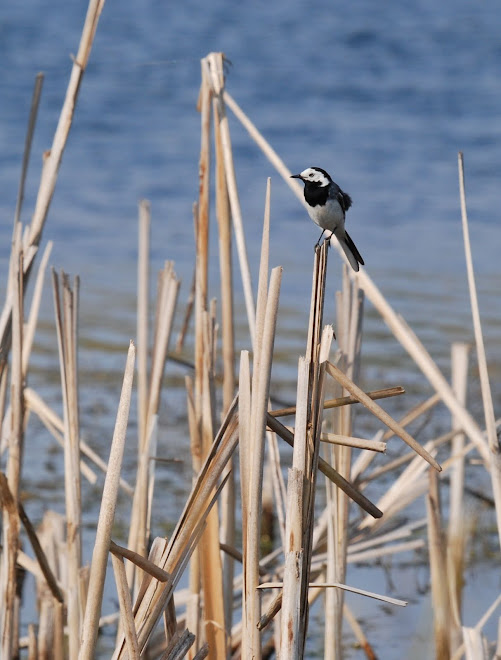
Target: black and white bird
column 327, row 206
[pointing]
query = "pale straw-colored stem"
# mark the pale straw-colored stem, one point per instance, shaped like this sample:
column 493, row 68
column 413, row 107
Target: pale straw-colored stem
column 490, row 420
column 107, row 516
column 126, row 615
column 381, row 414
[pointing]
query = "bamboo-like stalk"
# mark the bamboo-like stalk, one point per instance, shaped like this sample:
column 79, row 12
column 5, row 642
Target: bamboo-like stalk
column 227, row 532
column 29, row 331
column 66, row 324
column 381, row 414
column 214, row 66
column 56, row 426
column 126, row 615
column 260, row 395
column 490, row 421
column 143, row 287
column 10, row 520
column 40, row 555
column 48, row 181
column 35, row 101
column 291, row 645
column 349, row 441
column 210, row 558
column 438, row 570
column 456, row 530
column 106, row 516
column 244, row 411
column 344, row 401
column 328, row 470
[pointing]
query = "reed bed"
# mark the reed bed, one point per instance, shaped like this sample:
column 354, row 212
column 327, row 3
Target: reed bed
column 212, row 589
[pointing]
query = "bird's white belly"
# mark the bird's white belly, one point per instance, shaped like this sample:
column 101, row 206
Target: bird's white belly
column 330, row 216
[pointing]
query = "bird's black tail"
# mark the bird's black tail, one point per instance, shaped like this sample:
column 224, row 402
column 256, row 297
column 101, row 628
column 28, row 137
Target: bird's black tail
column 353, row 249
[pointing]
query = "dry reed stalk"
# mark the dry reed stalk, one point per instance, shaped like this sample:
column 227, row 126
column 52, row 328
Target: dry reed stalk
column 51, row 611
column 152, row 600
column 214, row 64
column 40, row 555
column 145, row 564
column 254, row 451
column 35, row 101
column 210, row 558
column 126, row 615
column 438, row 571
column 327, row 470
column 10, row 537
column 9, row 615
column 143, row 297
column 227, row 532
column 413, row 414
column 55, row 426
column 350, row 441
column 490, row 421
column 51, row 168
column 302, row 476
column 168, row 289
column 179, row 645
column 66, row 310
column 381, row 414
column 407, row 458
column 475, row 644
column 456, row 531
column 344, row 587
column 291, row 642
column 395, row 322
column 106, row 516
column 244, row 413
column 259, row 404
column 51, row 165
column 343, row 401
column 349, row 320
column 201, row 289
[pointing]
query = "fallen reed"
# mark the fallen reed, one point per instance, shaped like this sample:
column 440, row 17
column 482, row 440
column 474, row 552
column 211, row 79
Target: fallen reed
column 240, row 599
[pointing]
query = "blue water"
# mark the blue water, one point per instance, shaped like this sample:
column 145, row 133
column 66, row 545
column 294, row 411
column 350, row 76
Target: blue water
column 381, row 95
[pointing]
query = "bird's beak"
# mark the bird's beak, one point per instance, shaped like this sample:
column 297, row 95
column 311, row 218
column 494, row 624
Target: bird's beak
column 295, row 176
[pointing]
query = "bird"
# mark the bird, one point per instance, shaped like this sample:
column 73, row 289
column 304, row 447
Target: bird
column 327, row 205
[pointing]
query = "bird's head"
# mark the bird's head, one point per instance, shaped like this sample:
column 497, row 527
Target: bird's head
column 315, row 176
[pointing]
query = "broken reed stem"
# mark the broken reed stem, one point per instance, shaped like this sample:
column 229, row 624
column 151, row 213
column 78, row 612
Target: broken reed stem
column 35, row 101
column 376, row 410
column 349, row 441
column 125, row 604
column 214, row 64
column 490, row 420
column 53, row 161
column 438, row 571
column 29, row 331
column 260, row 396
column 106, row 516
column 66, row 309
column 10, row 539
column 143, row 288
column 344, row 401
column 457, row 527
column 327, row 470
column 228, row 504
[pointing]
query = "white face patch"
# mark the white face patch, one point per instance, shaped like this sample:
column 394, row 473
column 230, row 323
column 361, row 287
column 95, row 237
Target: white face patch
column 313, row 175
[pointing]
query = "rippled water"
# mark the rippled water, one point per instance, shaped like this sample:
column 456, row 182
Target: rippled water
column 381, row 95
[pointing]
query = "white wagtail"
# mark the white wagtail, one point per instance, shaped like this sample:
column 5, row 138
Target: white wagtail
column 327, row 206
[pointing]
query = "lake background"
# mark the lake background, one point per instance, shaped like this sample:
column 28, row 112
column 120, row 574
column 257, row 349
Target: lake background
column 381, row 95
